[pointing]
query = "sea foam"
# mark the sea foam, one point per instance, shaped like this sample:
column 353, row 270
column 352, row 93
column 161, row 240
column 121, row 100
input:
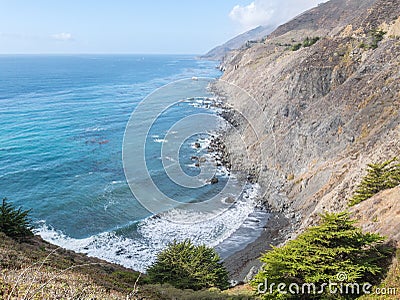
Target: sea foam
column 157, row 232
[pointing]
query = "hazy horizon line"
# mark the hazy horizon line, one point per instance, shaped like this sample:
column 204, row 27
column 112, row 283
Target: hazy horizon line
column 100, row 53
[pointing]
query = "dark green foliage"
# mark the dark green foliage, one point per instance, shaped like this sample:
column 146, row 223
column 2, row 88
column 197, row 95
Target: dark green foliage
column 296, row 47
column 322, row 252
column 14, row 222
column 374, row 37
column 380, row 176
column 377, row 36
column 310, row 41
column 306, row 43
column 186, row 266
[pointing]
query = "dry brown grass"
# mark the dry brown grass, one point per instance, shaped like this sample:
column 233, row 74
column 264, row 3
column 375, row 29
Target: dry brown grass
column 35, row 269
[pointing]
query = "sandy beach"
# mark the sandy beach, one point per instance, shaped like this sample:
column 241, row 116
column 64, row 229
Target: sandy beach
column 245, row 262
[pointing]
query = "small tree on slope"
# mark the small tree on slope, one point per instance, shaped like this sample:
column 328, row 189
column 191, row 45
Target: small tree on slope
column 187, row 266
column 14, row 222
column 380, row 176
column 318, row 255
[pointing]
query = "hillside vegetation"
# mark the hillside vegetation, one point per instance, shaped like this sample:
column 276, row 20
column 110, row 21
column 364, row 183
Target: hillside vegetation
column 35, row 269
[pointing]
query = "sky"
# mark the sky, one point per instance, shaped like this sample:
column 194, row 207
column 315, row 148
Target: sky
column 131, row 26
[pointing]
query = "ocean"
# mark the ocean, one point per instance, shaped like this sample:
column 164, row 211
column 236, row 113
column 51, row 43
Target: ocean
column 62, row 126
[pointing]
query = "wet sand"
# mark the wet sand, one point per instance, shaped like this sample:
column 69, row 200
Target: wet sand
column 240, row 263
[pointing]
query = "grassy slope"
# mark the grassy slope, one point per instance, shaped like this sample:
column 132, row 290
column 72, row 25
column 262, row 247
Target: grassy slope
column 35, row 269
column 392, row 281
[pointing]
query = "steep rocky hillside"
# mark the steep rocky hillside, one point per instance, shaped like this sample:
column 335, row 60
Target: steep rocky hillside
column 327, row 18
column 329, row 108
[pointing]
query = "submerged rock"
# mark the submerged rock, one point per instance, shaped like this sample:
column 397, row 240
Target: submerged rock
column 214, row 180
column 230, row 200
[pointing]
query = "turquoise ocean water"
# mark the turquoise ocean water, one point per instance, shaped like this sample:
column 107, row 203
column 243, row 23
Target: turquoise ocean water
column 61, row 132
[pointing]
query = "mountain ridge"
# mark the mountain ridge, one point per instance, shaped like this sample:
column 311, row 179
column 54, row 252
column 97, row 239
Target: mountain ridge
column 310, row 19
column 236, row 42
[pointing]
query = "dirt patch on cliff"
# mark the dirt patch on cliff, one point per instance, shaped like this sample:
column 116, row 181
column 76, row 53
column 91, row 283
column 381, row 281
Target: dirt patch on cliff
column 380, row 214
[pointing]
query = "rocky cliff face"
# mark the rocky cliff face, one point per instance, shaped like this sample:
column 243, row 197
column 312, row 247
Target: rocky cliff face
column 327, row 109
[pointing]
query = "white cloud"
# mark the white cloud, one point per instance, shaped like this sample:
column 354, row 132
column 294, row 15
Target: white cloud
column 63, row 36
column 269, row 12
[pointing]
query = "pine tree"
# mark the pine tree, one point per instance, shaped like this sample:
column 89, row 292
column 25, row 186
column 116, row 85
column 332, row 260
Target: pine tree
column 187, row 266
column 14, row 222
column 318, row 255
column 379, row 177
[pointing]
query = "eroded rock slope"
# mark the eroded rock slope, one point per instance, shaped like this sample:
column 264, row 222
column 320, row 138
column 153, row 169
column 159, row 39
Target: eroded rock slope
column 328, row 108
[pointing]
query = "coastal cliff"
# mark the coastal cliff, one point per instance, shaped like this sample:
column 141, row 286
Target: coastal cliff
column 323, row 101
column 328, row 85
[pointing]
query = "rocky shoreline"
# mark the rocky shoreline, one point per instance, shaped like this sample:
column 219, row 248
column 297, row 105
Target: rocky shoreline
column 218, row 145
column 320, row 114
column 242, row 264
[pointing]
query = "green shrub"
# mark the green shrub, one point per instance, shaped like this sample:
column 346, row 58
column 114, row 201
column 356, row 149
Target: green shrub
column 296, row 47
column 377, row 36
column 380, row 176
column 306, row 43
column 186, row 266
column 318, row 255
column 14, row 222
column 310, row 41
